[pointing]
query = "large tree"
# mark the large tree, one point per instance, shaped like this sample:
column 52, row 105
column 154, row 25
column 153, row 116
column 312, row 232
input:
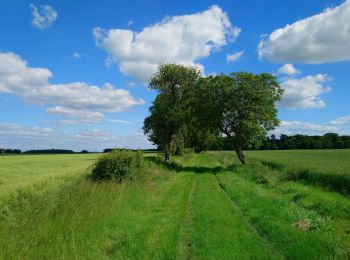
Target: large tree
column 242, row 106
column 166, row 124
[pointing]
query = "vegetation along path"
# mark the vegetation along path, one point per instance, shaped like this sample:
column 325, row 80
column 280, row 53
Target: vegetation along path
column 205, row 207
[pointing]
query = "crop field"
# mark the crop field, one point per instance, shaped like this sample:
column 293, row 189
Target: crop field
column 281, row 205
column 19, row 173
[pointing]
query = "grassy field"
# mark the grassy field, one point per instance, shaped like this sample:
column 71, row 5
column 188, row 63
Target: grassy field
column 18, row 173
column 205, row 207
column 327, row 168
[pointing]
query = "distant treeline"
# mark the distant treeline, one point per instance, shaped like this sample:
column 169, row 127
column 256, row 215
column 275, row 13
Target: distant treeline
column 107, row 150
column 44, row 151
column 327, row 141
column 50, row 151
column 285, row 142
column 58, row 151
column 9, row 151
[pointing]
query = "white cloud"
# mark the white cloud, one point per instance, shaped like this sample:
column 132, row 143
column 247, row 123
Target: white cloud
column 26, row 138
column 340, row 121
column 80, row 95
column 119, row 121
column 182, row 39
column 32, row 85
column 317, row 39
column 297, row 127
column 76, row 55
column 16, row 76
column 44, row 17
column 79, row 116
column 288, row 69
column 304, row 92
column 130, row 23
column 234, row 56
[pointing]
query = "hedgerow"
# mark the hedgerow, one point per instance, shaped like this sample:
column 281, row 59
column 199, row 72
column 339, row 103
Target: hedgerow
column 118, row 165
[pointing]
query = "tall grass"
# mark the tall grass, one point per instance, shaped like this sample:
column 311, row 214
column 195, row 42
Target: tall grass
column 329, row 169
column 89, row 220
column 36, row 172
column 204, row 206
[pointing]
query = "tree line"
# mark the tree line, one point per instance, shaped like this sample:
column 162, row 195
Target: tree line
column 43, row 151
column 191, row 110
column 285, row 142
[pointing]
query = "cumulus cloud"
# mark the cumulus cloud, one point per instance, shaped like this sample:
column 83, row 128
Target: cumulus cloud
column 80, row 95
column 234, row 56
column 317, row 39
column 304, row 92
column 80, row 116
column 43, row 17
column 288, row 69
column 182, row 39
column 340, row 121
column 297, row 127
column 16, row 76
column 80, row 99
column 26, row 138
column 32, row 85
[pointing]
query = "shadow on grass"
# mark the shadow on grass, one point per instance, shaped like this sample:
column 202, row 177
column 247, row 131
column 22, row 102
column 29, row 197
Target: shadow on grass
column 197, row 169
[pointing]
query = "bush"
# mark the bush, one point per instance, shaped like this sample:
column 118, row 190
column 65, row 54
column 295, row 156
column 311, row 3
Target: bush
column 188, row 151
column 118, row 165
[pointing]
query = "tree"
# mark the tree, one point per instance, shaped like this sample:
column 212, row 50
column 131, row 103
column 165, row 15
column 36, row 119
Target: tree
column 166, row 124
column 241, row 106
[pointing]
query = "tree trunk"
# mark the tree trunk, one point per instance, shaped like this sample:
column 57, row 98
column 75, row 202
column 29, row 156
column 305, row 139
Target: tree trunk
column 167, row 153
column 240, row 155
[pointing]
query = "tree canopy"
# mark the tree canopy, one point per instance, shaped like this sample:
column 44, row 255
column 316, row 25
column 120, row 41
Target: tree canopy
column 190, row 110
column 241, row 106
column 166, row 124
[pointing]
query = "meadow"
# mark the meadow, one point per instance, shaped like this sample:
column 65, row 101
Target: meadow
column 281, row 205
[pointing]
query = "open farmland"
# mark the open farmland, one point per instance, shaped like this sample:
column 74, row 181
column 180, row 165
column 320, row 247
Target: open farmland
column 206, row 206
column 19, row 173
column 327, row 168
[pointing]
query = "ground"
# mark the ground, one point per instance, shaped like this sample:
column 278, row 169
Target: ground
column 283, row 205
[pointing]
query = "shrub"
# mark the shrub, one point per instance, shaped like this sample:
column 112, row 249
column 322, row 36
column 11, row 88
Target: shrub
column 118, row 165
column 188, row 151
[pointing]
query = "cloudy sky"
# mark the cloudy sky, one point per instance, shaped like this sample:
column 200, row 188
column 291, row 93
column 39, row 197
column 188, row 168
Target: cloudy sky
column 73, row 74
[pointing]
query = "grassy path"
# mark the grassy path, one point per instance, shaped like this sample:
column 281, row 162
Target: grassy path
column 297, row 231
column 218, row 230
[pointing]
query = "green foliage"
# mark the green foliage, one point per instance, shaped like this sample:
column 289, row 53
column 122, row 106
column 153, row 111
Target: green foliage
column 166, row 124
column 298, row 141
column 188, row 151
column 241, row 106
column 118, row 165
column 192, row 111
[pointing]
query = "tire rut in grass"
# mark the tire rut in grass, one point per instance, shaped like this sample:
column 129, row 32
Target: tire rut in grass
column 254, row 229
column 219, row 230
column 298, row 233
column 186, row 232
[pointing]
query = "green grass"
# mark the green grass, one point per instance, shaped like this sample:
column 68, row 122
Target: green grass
column 100, row 220
column 325, row 168
column 19, row 172
column 205, row 206
column 332, row 164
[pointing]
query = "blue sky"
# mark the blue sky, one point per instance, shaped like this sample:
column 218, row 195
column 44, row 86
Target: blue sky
column 73, row 74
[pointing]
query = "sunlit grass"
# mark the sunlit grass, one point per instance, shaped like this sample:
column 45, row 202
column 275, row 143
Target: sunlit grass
column 204, row 206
